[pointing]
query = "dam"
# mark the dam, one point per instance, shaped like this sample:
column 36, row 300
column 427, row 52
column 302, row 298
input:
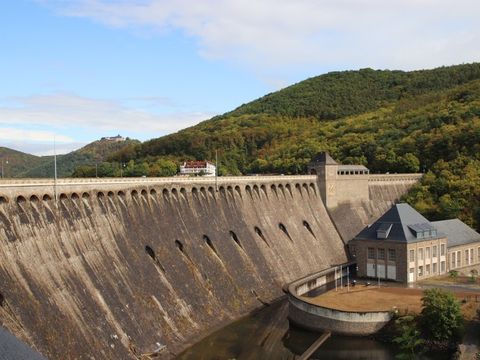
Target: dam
column 119, row 268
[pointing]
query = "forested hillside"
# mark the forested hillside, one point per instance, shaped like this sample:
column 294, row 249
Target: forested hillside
column 339, row 94
column 13, row 162
column 390, row 121
column 92, row 155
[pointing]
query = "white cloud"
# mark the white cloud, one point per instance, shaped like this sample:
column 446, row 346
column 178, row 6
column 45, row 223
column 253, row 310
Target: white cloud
column 41, row 148
column 22, row 119
column 268, row 34
column 67, row 110
column 8, row 134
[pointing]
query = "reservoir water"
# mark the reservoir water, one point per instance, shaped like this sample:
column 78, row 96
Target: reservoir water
column 267, row 335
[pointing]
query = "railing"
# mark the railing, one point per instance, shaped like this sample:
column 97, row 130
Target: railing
column 395, row 177
column 153, row 180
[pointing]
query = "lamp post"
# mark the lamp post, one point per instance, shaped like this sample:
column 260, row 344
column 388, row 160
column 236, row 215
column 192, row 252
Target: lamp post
column 341, row 276
column 122, row 165
column 348, row 278
column 216, row 170
column 6, row 162
column 54, row 170
column 335, row 278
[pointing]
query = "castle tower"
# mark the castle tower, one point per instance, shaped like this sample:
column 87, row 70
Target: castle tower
column 326, row 170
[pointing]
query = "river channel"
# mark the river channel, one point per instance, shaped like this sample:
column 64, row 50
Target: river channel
column 267, row 335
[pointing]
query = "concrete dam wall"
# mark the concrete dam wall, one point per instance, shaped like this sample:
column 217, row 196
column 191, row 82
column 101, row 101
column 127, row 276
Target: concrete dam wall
column 115, row 269
column 350, row 217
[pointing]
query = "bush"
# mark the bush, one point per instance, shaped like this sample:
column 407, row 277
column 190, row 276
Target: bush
column 409, row 337
column 441, row 318
column 453, row 274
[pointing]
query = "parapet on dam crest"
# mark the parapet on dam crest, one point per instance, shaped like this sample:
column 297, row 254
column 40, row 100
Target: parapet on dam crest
column 115, row 266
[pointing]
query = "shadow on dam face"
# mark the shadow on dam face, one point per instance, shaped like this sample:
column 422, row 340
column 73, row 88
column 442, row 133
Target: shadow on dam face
column 117, row 273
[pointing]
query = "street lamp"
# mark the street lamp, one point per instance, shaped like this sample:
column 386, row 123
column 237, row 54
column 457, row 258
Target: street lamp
column 6, row 162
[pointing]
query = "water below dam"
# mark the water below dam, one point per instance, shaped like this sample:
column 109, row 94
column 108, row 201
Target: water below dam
column 267, row 335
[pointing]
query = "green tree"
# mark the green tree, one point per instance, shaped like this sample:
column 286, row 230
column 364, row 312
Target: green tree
column 408, row 163
column 163, row 168
column 84, row 171
column 441, row 318
column 409, row 337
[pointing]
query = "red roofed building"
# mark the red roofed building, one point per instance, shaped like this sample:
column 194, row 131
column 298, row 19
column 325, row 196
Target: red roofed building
column 201, row 167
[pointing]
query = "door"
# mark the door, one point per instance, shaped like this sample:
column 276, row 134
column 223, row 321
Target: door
column 381, row 271
column 371, row 270
column 392, row 272
column 411, row 275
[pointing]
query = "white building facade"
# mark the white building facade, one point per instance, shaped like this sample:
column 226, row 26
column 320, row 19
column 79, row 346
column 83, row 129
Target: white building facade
column 205, row 168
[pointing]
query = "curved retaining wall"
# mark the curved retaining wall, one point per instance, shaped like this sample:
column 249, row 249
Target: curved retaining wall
column 319, row 318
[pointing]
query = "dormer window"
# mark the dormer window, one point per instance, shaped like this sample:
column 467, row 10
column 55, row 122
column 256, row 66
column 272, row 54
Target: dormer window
column 423, row 231
column 384, row 230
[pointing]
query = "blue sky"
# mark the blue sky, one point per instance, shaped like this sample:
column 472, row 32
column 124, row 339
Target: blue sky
column 78, row 70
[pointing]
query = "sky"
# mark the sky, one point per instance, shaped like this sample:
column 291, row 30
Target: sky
column 73, row 71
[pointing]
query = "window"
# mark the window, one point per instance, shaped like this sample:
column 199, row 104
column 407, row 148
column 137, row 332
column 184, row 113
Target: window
column 381, row 254
column 392, row 256
column 434, row 268
column 478, row 254
column 420, row 254
column 371, row 253
column 452, row 258
column 471, row 256
column 442, row 249
column 466, row 257
column 427, row 253
column 434, row 251
column 459, row 258
column 427, row 269
column 412, row 256
column 420, row 271
column 442, row 266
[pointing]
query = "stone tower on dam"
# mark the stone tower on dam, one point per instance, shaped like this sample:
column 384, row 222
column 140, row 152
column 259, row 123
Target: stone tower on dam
column 115, row 266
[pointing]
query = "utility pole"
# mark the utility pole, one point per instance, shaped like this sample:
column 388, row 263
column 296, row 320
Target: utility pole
column 341, row 276
column 348, row 278
column 54, row 170
column 335, row 278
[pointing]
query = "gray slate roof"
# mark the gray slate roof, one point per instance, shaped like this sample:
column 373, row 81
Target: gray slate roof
column 458, row 232
column 13, row 349
column 403, row 218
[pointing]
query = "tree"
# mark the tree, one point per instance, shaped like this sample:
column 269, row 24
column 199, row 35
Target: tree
column 441, row 318
column 409, row 338
column 408, row 163
column 163, row 167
